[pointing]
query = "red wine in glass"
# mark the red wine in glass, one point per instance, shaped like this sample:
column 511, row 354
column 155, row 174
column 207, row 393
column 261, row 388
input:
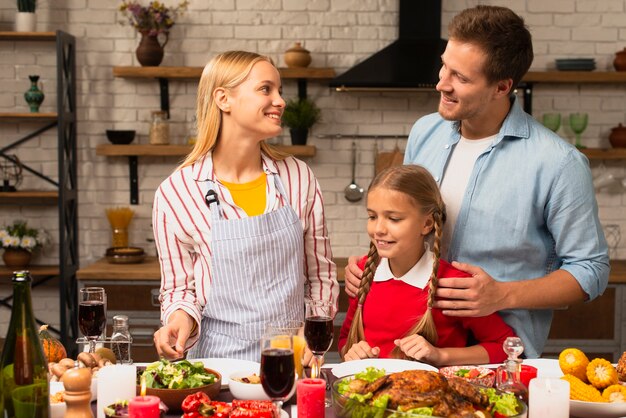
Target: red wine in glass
column 318, row 333
column 91, row 318
column 278, row 372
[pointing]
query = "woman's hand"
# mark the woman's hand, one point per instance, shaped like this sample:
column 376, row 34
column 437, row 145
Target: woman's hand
column 170, row 339
column 353, row 274
column 417, row 347
column 361, row 350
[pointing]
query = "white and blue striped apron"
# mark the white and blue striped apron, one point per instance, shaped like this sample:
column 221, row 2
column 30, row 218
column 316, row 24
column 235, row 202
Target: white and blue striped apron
column 258, row 276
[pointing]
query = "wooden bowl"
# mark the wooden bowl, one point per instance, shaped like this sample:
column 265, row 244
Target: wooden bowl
column 173, row 398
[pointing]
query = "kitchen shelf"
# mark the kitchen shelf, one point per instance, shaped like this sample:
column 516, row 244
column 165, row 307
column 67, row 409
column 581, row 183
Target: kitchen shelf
column 134, row 151
column 605, row 153
column 35, row 271
column 28, row 36
column 195, row 72
column 29, row 197
column 25, row 117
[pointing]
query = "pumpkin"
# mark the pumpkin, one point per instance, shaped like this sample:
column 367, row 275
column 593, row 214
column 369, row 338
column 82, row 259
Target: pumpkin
column 52, row 348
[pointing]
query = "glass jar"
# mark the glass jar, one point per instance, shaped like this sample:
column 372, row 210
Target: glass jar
column 121, row 339
column 160, row 128
column 119, row 238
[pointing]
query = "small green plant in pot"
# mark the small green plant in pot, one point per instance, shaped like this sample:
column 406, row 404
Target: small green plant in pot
column 25, row 18
column 26, row 6
column 299, row 116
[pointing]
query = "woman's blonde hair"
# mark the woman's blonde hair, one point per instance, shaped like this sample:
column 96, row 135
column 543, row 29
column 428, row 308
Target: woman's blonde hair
column 227, row 70
column 416, row 182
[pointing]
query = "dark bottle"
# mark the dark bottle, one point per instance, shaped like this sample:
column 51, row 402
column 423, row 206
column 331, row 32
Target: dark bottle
column 25, row 386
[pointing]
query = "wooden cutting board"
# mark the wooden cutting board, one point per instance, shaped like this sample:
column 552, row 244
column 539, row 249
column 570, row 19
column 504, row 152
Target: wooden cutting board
column 388, row 159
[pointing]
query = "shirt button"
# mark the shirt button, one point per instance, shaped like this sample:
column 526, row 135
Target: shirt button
column 436, row 178
column 447, row 146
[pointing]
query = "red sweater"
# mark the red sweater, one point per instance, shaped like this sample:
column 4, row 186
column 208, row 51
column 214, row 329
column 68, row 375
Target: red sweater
column 393, row 307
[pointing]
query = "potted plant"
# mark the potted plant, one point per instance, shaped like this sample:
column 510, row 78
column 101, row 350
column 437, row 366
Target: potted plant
column 25, row 19
column 18, row 242
column 299, row 116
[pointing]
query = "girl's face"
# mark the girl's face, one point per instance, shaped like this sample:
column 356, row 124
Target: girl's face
column 397, row 226
column 256, row 105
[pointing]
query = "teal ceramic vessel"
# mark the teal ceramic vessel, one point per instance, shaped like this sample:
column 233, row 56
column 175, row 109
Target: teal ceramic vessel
column 33, row 96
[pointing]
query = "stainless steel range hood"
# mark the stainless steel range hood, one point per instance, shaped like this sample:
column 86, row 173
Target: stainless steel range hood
column 412, row 62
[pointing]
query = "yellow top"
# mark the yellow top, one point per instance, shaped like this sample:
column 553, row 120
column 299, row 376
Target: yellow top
column 249, row 196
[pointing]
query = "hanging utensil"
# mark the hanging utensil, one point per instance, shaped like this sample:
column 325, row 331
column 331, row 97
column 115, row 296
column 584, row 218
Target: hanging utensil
column 353, row 191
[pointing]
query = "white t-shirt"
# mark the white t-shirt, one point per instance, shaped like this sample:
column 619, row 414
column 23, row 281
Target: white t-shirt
column 455, row 180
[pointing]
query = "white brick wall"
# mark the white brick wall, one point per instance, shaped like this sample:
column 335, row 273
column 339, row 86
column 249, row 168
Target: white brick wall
column 339, row 33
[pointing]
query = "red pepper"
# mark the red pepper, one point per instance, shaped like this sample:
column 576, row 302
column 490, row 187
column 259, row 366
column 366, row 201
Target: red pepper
column 220, row 409
column 191, row 415
column 260, row 405
column 192, row 402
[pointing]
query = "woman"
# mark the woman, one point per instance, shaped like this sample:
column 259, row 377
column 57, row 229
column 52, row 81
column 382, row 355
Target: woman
column 239, row 227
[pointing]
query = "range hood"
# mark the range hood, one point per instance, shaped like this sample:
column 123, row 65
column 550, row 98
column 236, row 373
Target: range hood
column 412, row 62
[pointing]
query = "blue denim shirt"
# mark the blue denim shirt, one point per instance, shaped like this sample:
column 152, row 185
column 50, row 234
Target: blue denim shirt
column 529, row 209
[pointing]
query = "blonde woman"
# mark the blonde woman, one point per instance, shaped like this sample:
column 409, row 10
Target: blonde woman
column 393, row 314
column 239, row 227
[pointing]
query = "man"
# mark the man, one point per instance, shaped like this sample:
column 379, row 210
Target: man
column 520, row 200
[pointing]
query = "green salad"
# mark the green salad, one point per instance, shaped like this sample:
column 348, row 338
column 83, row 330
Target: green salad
column 184, row 374
column 364, row 406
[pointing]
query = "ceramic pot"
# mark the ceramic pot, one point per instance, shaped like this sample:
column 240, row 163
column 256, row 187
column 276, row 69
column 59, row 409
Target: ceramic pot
column 299, row 136
column 16, row 258
column 150, row 51
column 297, row 56
column 620, row 60
column 618, row 136
column 33, row 96
column 25, row 22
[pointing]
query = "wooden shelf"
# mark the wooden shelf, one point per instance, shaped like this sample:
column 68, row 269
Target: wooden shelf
column 26, row 116
column 111, row 150
column 196, row 72
column 28, row 36
column 29, row 197
column 605, row 153
column 35, row 271
column 575, row 77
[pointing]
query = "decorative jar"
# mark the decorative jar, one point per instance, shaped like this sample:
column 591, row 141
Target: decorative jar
column 16, row 258
column 34, row 96
column 618, row 136
column 620, row 60
column 297, row 56
column 160, row 128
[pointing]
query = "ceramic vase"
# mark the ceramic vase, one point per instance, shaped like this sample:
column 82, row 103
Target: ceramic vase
column 150, row 51
column 25, row 22
column 297, row 56
column 33, row 96
column 299, row 136
column 16, row 258
column 620, row 60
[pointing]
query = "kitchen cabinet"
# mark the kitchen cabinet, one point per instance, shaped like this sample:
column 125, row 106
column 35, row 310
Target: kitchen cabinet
column 64, row 196
column 164, row 74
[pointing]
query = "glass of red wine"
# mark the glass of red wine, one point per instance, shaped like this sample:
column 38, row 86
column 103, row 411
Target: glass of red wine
column 318, row 331
column 278, row 372
column 92, row 314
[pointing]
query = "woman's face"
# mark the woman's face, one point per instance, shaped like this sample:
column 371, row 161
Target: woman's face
column 397, row 226
column 255, row 106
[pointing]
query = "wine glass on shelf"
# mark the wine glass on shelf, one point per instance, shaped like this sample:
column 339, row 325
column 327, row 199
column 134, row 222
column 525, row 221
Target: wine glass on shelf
column 92, row 314
column 295, row 329
column 552, row 121
column 278, row 372
column 578, row 123
column 318, row 331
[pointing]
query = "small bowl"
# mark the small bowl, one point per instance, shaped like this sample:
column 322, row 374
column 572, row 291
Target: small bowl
column 246, row 391
column 173, row 398
column 485, row 376
column 120, row 137
column 57, row 410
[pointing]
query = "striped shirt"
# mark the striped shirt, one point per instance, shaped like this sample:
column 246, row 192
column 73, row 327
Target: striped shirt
column 182, row 228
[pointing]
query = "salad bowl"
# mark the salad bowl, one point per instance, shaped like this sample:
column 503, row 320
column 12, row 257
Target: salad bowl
column 346, row 405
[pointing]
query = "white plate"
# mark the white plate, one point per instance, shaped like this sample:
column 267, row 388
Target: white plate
column 389, row 364
column 582, row 409
column 228, row 366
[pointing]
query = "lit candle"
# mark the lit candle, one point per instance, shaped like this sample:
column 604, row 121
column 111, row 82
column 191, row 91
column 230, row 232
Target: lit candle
column 144, row 406
column 310, row 397
column 548, row 398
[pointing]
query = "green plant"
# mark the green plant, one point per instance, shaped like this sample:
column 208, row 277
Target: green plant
column 301, row 114
column 27, row 6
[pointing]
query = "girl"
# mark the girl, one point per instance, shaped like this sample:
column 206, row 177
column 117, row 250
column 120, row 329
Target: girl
column 239, row 227
column 392, row 315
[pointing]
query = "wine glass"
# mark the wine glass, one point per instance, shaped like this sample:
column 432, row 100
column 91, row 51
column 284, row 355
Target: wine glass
column 278, row 372
column 92, row 314
column 318, row 331
column 578, row 123
column 552, row 121
column 296, row 330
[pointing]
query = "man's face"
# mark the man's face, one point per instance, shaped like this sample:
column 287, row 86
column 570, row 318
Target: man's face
column 465, row 91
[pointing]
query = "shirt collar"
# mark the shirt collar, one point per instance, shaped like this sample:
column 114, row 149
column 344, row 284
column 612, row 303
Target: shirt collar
column 202, row 169
column 418, row 276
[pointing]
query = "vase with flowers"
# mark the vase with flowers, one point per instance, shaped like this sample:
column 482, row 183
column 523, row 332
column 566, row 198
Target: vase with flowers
column 152, row 21
column 25, row 19
column 18, row 242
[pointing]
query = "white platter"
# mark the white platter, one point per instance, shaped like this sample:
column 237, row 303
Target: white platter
column 390, row 366
column 228, row 366
column 582, row 409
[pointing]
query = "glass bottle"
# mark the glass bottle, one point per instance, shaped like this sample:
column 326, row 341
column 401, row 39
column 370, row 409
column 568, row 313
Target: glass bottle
column 121, row 339
column 508, row 375
column 24, row 369
column 160, row 128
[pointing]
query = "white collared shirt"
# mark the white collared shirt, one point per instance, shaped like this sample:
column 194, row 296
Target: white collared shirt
column 418, row 276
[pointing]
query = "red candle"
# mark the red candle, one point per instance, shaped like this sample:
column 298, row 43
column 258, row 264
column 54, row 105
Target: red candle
column 310, row 396
column 144, row 407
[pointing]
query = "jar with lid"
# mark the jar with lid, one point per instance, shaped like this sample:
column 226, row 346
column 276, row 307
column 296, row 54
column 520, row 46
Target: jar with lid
column 160, row 128
column 121, row 339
